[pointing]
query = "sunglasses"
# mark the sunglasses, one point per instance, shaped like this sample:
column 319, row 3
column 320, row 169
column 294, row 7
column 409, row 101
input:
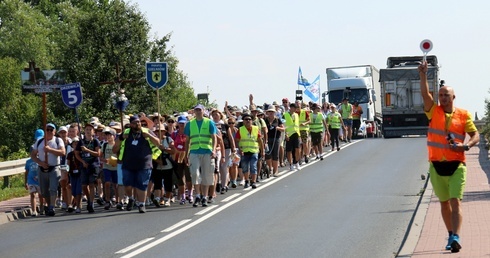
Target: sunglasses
column 49, row 129
column 247, row 119
column 144, row 124
column 171, row 122
column 231, row 123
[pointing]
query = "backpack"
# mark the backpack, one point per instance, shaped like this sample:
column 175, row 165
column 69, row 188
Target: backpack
column 40, row 140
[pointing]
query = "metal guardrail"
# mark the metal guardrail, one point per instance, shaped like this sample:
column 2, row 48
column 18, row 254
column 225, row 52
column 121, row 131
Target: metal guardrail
column 12, row 167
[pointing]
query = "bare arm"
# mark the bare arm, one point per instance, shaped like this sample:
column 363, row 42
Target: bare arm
column 424, row 87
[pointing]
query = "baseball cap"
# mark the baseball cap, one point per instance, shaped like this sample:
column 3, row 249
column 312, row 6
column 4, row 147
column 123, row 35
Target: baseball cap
column 51, row 125
column 134, row 118
column 199, row 106
column 63, row 129
column 285, row 100
column 109, row 130
column 38, row 134
column 182, row 119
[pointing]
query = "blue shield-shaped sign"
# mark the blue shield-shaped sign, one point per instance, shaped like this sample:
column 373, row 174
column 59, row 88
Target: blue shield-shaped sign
column 71, row 94
column 156, row 74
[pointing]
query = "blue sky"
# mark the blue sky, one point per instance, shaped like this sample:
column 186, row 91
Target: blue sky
column 233, row 48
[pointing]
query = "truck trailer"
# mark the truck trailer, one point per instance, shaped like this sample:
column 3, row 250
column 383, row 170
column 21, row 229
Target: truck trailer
column 357, row 83
column 402, row 103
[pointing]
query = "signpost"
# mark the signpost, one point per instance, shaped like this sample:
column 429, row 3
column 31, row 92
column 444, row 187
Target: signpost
column 157, row 77
column 426, row 47
column 39, row 88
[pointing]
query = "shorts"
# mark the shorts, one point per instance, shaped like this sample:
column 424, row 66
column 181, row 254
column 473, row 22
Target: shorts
column 201, row 168
column 64, row 173
column 138, row 179
column 316, row 138
column 76, row 185
column 347, row 122
column 304, row 136
column 88, row 175
column 282, row 139
column 448, row 187
column 49, row 181
column 249, row 163
column 110, row 176
column 293, row 142
column 34, row 189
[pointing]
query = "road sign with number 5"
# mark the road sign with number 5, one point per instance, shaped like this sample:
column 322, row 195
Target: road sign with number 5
column 72, row 94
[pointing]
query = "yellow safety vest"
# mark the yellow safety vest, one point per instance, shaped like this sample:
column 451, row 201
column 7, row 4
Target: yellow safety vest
column 248, row 141
column 155, row 151
column 346, row 111
column 316, row 125
column 200, row 139
column 292, row 127
column 302, row 119
column 334, row 120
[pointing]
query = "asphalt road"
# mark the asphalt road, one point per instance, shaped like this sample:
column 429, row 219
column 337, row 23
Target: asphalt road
column 358, row 202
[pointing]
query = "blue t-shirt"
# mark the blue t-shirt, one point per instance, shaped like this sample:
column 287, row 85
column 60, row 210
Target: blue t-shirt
column 212, row 130
column 32, row 167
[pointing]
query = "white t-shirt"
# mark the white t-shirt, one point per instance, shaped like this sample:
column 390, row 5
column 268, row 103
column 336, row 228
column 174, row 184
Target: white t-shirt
column 53, row 160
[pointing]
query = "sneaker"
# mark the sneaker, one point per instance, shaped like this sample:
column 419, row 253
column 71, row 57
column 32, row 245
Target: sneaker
column 254, row 186
column 210, row 199
column 100, row 202
column 107, row 206
column 77, row 210
column 142, row 208
column 449, row 241
column 90, row 208
column 119, row 206
column 298, row 167
column 167, row 203
column 182, row 201
column 148, row 202
column 204, row 202
column 126, row 200
column 242, row 182
column 246, row 185
column 291, row 168
column 338, row 148
column 317, row 157
column 455, row 244
column 64, row 206
column 58, row 203
column 156, row 201
column 34, row 214
column 333, row 148
column 50, row 212
column 321, row 157
column 306, row 159
column 172, row 200
column 233, row 184
column 130, row 204
column 191, row 199
column 69, row 209
column 198, row 200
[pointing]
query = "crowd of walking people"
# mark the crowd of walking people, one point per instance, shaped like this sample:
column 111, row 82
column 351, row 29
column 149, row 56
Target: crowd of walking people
column 186, row 158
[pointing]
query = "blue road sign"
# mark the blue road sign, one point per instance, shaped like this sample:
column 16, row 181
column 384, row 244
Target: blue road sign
column 156, row 74
column 71, row 94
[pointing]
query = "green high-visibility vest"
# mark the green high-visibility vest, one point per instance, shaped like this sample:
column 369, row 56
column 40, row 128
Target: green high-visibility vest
column 155, row 151
column 200, row 139
column 316, row 125
column 302, row 119
column 292, row 126
column 248, row 141
column 334, row 120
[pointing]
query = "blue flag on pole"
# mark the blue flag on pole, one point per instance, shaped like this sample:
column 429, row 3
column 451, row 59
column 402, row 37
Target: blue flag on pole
column 301, row 79
column 312, row 90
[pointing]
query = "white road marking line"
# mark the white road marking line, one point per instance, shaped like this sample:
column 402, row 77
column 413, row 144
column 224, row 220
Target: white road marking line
column 212, row 213
column 178, row 224
column 134, row 245
column 209, row 208
column 227, row 199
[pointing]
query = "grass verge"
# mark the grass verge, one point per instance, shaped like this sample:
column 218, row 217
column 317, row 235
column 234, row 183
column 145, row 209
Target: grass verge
column 15, row 189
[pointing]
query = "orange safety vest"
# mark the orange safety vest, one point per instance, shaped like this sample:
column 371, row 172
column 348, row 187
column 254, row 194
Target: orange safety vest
column 437, row 134
column 356, row 112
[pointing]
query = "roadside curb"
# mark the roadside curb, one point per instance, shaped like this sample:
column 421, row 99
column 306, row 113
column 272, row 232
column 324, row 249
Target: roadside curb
column 415, row 228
